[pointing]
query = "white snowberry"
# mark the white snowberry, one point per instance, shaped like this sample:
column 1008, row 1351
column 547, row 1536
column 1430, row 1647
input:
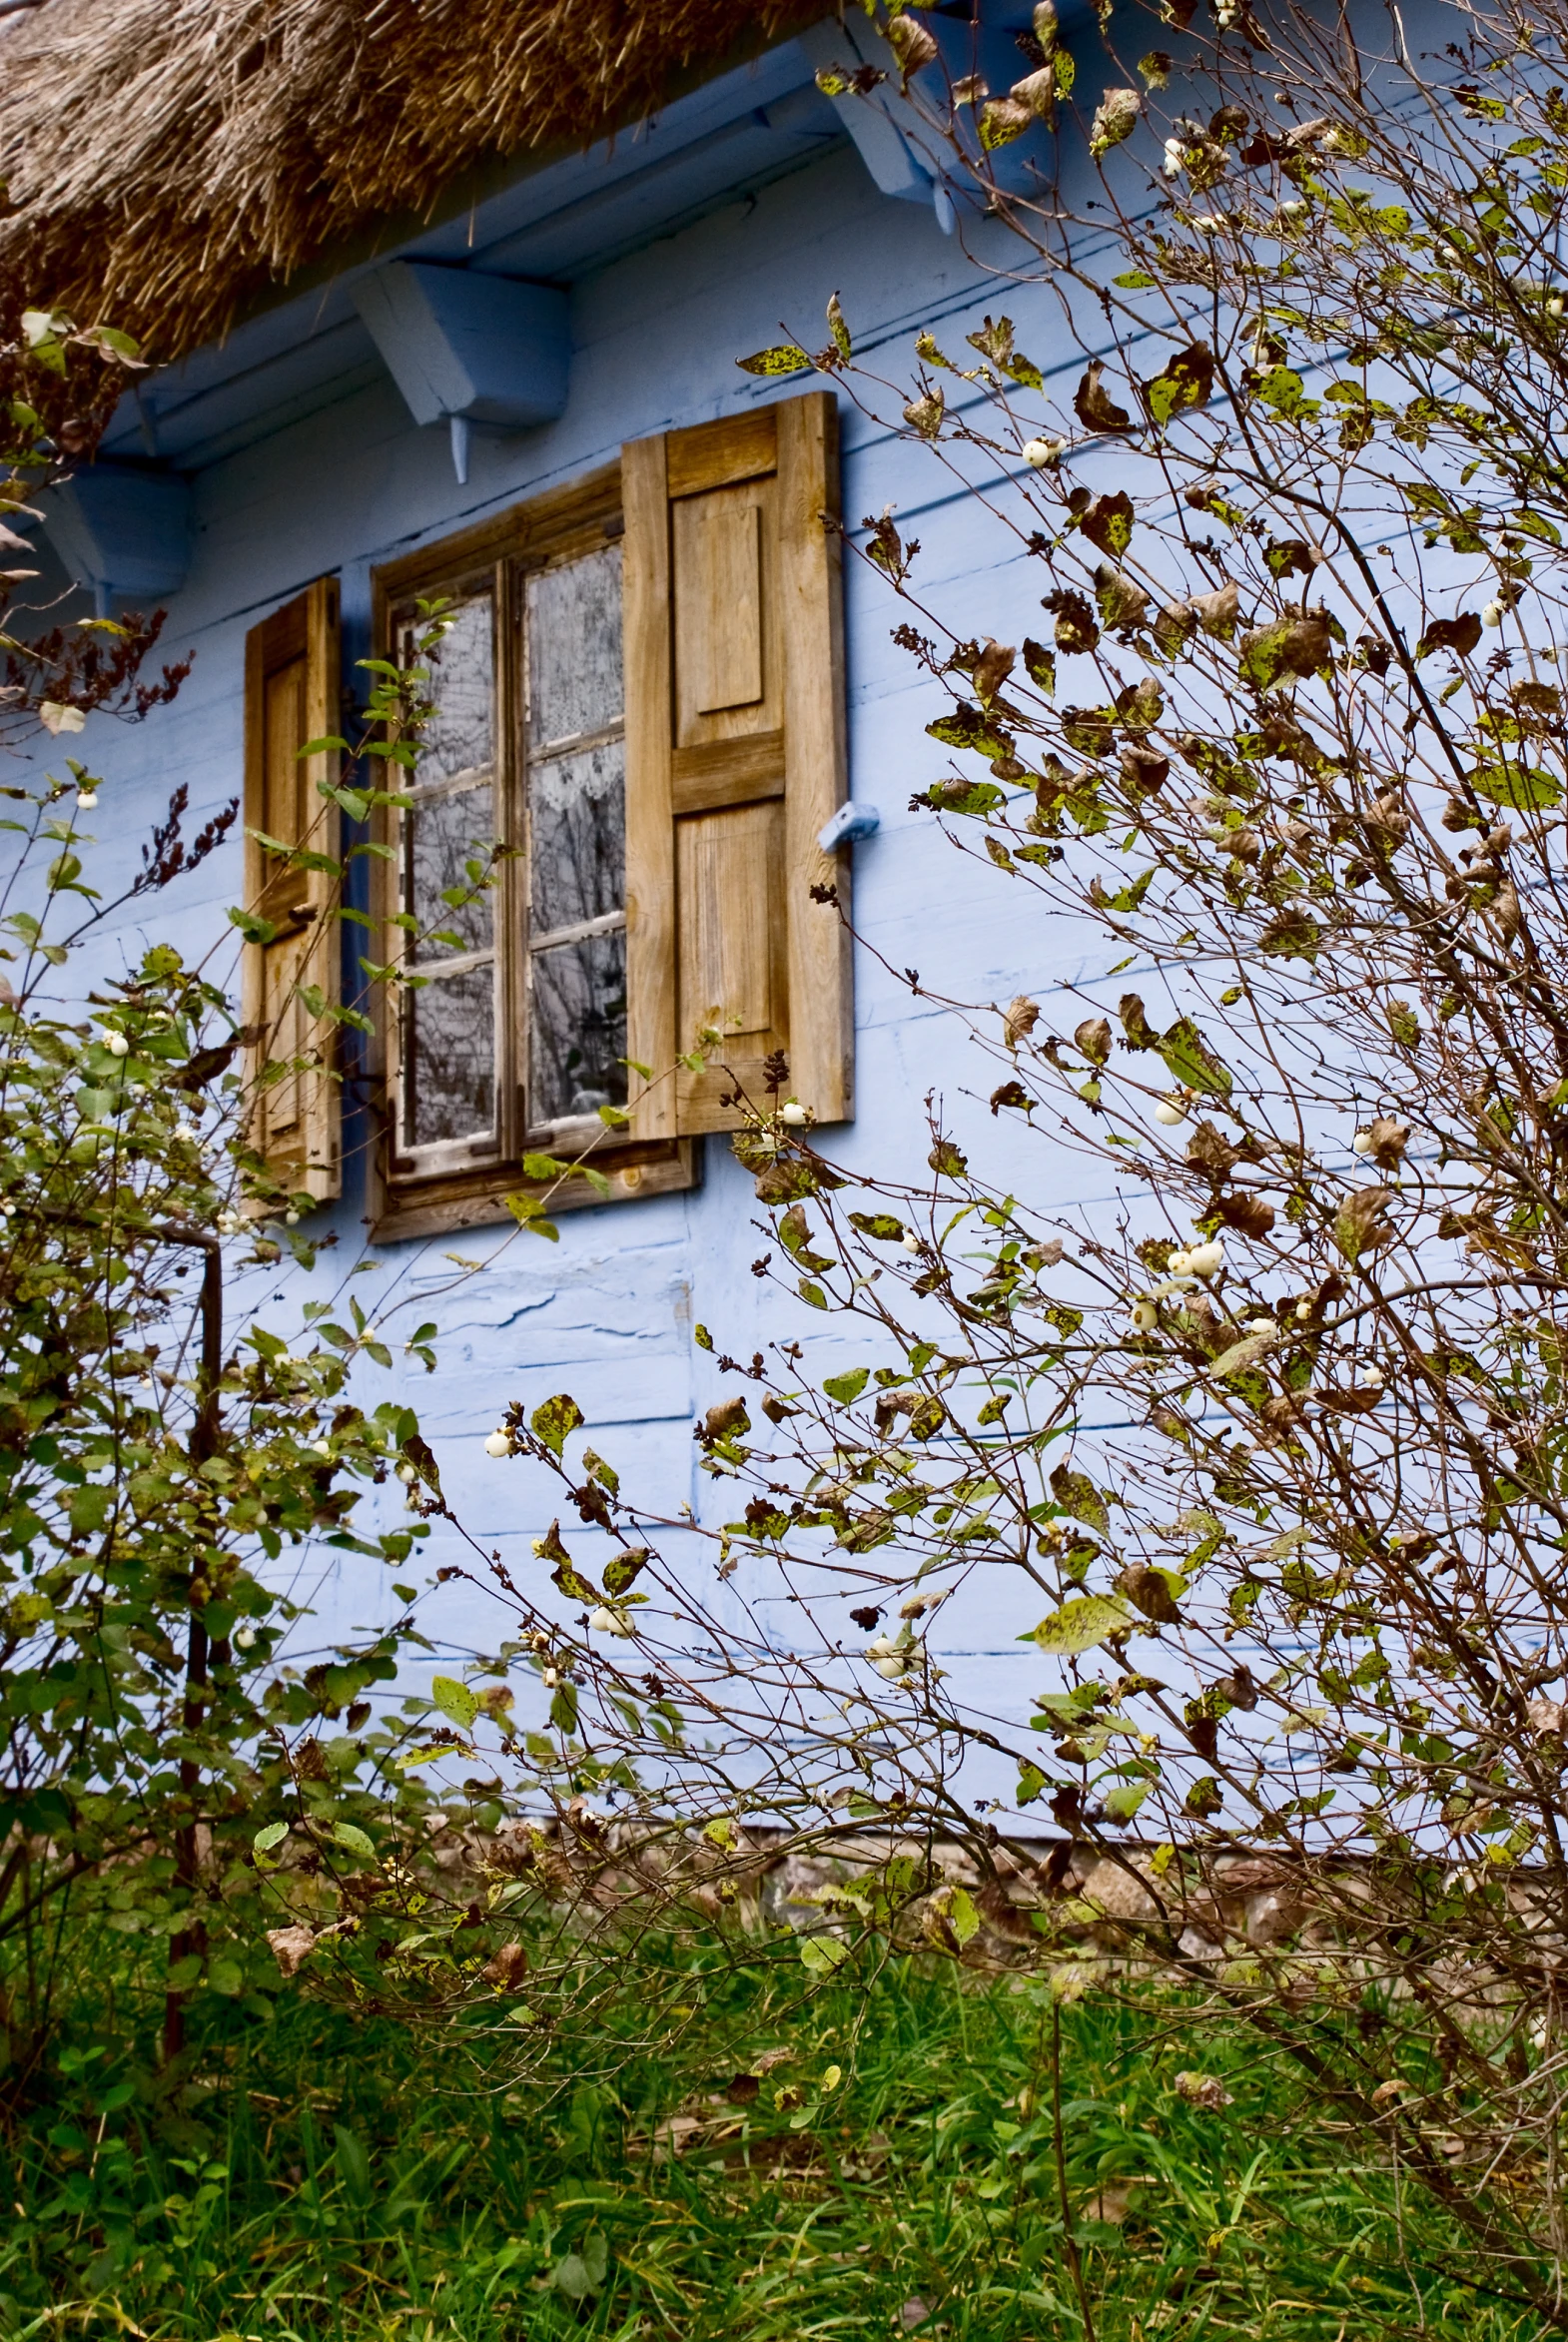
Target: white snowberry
column 498, row 1443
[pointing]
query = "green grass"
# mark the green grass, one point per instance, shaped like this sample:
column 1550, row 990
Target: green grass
column 342, row 2179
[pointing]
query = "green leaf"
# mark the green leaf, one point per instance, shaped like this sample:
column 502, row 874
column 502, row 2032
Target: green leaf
column 455, row 1700
column 349, row 1836
column 566, row 1573
column 845, row 1389
column 1282, row 389
column 554, row 1421
column 1185, row 381
column 880, row 1224
column 784, row 357
column 1107, row 522
column 1078, row 1495
column 597, row 1469
column 1123, row 1802
column 528, row 1212
column 962, row 1917
column 1081, row 1624
column 1190, row 1059
column 1290, row 647
column 621, row 1574
column 1525, row 788
column 965, row 727
column 821, row 1954
column 274, row 1835
column 89, row 1506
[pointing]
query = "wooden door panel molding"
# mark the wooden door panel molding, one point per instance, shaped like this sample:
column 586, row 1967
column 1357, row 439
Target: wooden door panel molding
column 292, row 678
column 736, row 757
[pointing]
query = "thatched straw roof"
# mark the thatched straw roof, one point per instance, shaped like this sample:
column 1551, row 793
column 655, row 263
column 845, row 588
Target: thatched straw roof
column 170, row 161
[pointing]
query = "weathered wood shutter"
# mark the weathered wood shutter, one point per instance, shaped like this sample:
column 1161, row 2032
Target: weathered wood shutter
column 293, row 671
column 734, row 760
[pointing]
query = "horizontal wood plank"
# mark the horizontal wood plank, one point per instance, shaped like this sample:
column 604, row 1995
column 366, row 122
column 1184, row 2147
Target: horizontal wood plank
column 727, row 772
column 713, row 454
column 444, row 1207
column 538, row 530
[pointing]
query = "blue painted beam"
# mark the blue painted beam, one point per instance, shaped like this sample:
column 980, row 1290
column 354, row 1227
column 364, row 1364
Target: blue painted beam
column 466, row 349
column 883, row 125
column 123, row 531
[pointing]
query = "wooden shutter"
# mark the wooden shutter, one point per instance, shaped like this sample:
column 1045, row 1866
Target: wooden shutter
column 292, row 676
column 734, row 760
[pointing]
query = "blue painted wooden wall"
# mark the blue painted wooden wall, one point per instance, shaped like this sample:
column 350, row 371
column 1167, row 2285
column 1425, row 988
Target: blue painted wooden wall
column 608, row 1313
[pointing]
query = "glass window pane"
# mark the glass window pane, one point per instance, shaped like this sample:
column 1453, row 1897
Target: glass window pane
column 574, row 654
column 579, row 1031
column 440, row 837
column 450, row 1060
column 459, row 736
column 578, row 836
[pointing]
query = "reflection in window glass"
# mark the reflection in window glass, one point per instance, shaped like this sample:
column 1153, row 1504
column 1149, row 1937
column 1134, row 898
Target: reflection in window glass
column 578, row 836
column 441, row 836
column 470, row 1074
column 578, row 1028
column 459, row 737
column 575, row 649
column 449, row 1059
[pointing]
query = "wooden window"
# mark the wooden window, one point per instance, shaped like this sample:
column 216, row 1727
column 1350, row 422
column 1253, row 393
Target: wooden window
column 641, row 732
column 293, row 682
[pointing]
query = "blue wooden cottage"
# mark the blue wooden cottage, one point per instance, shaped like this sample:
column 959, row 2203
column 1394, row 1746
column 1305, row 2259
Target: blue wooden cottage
column 448, row 303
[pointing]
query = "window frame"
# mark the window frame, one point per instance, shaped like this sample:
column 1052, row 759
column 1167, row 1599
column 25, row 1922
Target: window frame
column 454, row 1187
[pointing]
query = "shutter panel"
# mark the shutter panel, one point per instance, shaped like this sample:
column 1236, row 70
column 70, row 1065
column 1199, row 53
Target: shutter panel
column 293, row 680
column 734, row 760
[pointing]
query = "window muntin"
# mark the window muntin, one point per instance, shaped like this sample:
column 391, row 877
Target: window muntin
column 513, row 1031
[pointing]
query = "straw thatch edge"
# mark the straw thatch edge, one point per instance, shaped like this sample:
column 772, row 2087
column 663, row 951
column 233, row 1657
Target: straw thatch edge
column 171, row 163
